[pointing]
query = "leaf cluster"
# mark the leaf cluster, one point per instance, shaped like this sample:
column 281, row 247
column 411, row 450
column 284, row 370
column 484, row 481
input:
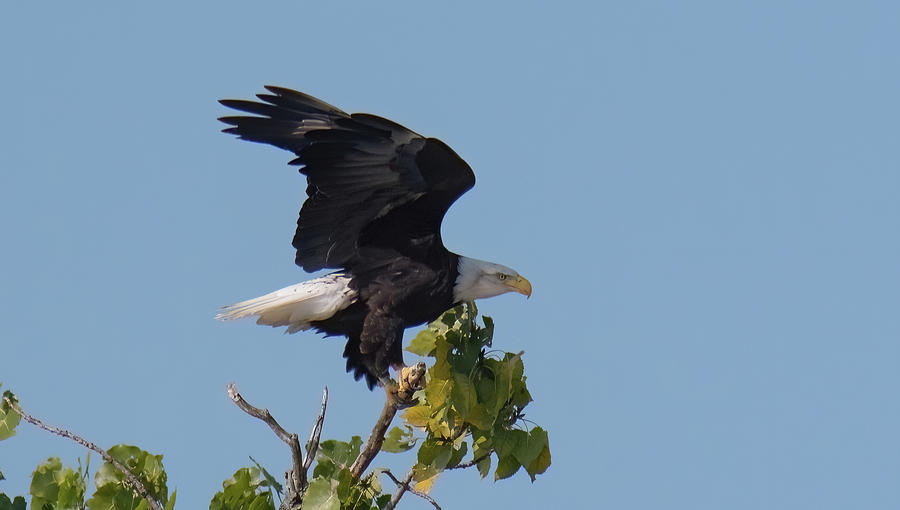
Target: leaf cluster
column 332, row 486
column 114, row 491
column 56, row 487
column 9, row 419
column 246, row 490
column 474, row 396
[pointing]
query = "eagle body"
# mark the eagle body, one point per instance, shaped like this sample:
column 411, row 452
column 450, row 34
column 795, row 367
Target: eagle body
column 403, row 294
column 377, row 194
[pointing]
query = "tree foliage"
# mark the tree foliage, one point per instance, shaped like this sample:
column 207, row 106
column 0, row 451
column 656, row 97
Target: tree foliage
column 470, row 414
column 475, row 397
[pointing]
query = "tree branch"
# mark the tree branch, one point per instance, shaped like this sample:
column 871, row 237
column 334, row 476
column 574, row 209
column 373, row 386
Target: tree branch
column 312, row 446
column 376, row 439
column 397, row 396
column 138, row 486
column 404, row 486
column 261, row 414
column 296, row 477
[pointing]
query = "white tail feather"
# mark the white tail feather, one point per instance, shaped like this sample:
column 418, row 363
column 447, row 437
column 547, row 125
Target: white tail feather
column 296, row 306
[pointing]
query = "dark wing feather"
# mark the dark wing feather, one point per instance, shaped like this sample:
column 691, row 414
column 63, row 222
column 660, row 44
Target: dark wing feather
column 370, row 181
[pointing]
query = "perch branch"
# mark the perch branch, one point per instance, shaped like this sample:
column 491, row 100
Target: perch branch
column 404, row 486
column 138, row 486
column 398, row 396
column 376, row 439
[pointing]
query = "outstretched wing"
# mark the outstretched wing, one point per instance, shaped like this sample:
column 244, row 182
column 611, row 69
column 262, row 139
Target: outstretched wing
column 370, row 181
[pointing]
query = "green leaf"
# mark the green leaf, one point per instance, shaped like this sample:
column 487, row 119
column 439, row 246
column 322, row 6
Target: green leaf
column 324, row 469
column 1, row 476
column 71, row 490
column 438, row 391
column 381, row 501
column 44, row 485
column 481, row 444
column 435, row 454
column 399, row 440
column 341, row 453
column 423, row 344
column 57, row 487
column 458, row 454
column 9, row 419
column 441, row 369
column 484, row 466
column 244, row 491
column 170, row 505
column 270, row 480
column 479, row 417
column 530, row 446
column 506, row 441
column 419, row 415
column 16, row 504
column 540, row 464
column 321, row 495
column 345, row 484
column 440, row 461
column 506, row 467
column 113, row 490
column 463, row 394
column 487, row 332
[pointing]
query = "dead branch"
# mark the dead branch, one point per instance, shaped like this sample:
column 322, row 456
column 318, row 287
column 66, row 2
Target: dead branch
column 138, row 486
column 297, row 476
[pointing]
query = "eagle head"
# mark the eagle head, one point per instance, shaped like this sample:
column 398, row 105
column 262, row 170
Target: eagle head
column 480, row 279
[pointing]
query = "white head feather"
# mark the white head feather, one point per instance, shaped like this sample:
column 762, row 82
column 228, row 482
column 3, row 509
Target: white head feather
column 481, row 279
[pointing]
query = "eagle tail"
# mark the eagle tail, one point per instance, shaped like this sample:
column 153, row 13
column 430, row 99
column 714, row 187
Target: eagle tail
column 296, row 306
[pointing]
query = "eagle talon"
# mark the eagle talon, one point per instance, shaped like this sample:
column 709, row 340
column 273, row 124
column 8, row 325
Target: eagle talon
column 411, row 380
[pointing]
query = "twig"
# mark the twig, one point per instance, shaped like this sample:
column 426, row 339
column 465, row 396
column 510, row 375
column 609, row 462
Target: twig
column 138, row 486
column 464, row 465
column 403, row 487
column 262, row 414
column 312, row 446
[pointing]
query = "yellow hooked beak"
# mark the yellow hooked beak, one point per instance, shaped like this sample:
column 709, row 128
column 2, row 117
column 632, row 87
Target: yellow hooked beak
column 521, row 285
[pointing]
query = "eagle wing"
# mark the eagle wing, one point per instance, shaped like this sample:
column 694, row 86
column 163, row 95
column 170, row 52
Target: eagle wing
column 370, row 182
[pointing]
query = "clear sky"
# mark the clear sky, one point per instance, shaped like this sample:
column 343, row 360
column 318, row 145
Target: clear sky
column 705, row 195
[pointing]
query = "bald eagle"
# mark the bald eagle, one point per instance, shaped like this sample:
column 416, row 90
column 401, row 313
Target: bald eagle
column 377, row 194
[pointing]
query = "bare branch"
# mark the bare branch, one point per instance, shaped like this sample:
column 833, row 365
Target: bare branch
column 138, row 486
column 297, row 477
column 312, row 446
column 262, row 414
column 404, row 486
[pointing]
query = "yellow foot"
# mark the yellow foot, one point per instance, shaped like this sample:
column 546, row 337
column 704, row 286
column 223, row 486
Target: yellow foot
column 411, row 379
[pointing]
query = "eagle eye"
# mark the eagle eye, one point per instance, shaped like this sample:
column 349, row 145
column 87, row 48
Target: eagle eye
column 501, row 276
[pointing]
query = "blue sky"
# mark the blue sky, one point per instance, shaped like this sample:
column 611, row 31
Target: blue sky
column 704, row 195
